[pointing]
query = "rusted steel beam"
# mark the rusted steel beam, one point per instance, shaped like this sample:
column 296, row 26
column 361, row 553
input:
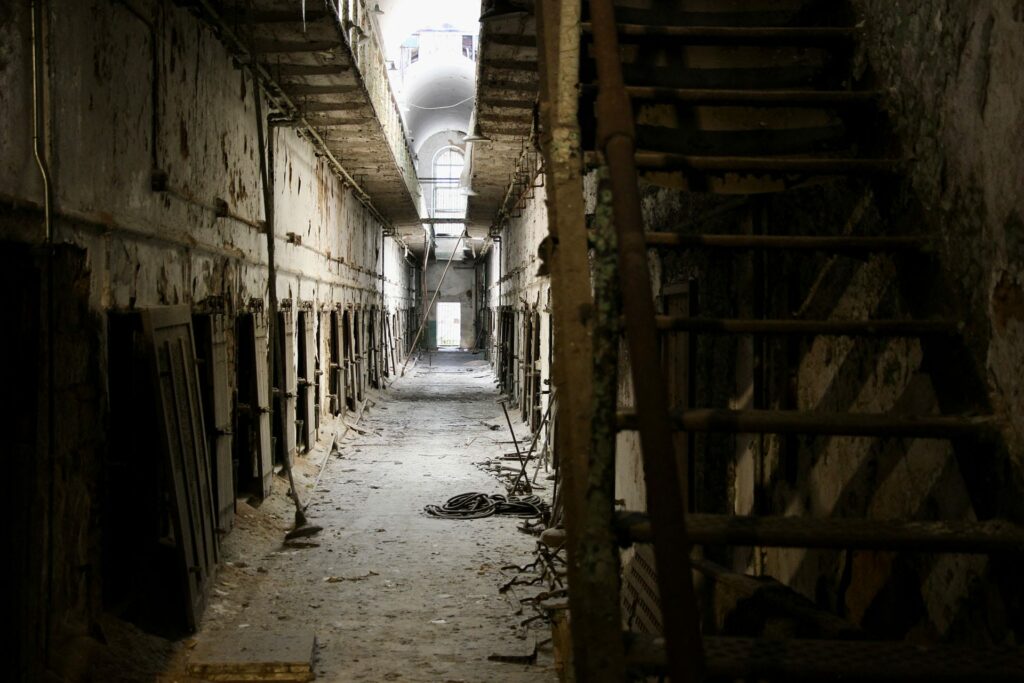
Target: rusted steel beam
column 831, row 328
column 597, row 651
column 616, row 137
column 838, row 244
column 854, row 533
column 825, row 424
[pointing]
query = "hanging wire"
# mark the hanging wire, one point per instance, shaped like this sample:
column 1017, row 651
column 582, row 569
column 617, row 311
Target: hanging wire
column 447, row 106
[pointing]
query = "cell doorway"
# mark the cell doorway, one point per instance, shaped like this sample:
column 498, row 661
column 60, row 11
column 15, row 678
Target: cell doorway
column 449, row 325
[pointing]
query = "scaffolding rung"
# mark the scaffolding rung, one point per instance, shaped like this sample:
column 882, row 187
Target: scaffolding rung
column 992, row 536
column 733, row 35
column 751, row 97
column 669, row 161
column 817, row 660
column 833, row 328
column 824, row 424
column 837, row 244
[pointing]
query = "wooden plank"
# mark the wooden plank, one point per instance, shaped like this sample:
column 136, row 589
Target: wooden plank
column 168, row 333
column 256, row 655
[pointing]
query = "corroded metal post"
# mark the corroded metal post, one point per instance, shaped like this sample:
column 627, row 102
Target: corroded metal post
column 616, row 137
column 597, row 647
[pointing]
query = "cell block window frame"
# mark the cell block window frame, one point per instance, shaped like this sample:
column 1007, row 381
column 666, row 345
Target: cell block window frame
column 448, row 200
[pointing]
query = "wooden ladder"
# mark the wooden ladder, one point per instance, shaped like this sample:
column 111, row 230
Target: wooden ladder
column 623, row 300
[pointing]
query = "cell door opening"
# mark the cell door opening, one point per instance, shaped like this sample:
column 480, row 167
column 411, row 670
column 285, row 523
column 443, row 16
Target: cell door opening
column 449, row 325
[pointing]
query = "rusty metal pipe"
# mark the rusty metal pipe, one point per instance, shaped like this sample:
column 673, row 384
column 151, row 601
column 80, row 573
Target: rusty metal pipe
column 616, row 136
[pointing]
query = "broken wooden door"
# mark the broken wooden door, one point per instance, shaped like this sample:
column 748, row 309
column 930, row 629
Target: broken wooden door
column 336, row 383
column 253, row 435
column 286, row 394
column 348, row 354
column 182, row 438
column 211, row 333
column 358, row 353
column 306, row 420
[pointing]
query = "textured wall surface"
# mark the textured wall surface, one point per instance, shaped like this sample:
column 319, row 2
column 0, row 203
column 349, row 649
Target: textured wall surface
column 129, row 88
column 954, row 80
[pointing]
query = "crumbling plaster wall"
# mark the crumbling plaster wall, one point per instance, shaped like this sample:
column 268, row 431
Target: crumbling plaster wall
column 953, row 74
column 133, row 247
column 518, row 277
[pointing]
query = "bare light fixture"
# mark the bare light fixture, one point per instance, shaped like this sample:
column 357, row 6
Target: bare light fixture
column 376, row 9
column 476, row 135
column 503, row 9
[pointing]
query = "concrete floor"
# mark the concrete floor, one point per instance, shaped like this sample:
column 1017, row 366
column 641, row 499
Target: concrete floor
column 391, row 593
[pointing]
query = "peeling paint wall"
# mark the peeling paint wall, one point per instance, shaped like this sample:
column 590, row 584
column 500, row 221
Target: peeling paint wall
column 131, row 88
column 516, row 276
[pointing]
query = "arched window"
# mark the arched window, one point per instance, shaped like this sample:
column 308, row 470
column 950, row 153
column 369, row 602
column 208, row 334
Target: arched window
column 449, row 202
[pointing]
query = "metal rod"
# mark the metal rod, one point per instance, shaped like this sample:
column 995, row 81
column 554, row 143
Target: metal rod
column 990, row 536
column 515, row 442
column 426, row 312
column 616, row 136
column 824, row 424
column 787, row 242
column 838, row 328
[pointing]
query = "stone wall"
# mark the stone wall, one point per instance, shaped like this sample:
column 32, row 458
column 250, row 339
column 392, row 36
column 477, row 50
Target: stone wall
column 133, row 91
column 952, row 76
column 517, row 277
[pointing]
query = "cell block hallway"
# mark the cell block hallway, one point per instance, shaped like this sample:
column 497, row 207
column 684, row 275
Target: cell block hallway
column 513, row 340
